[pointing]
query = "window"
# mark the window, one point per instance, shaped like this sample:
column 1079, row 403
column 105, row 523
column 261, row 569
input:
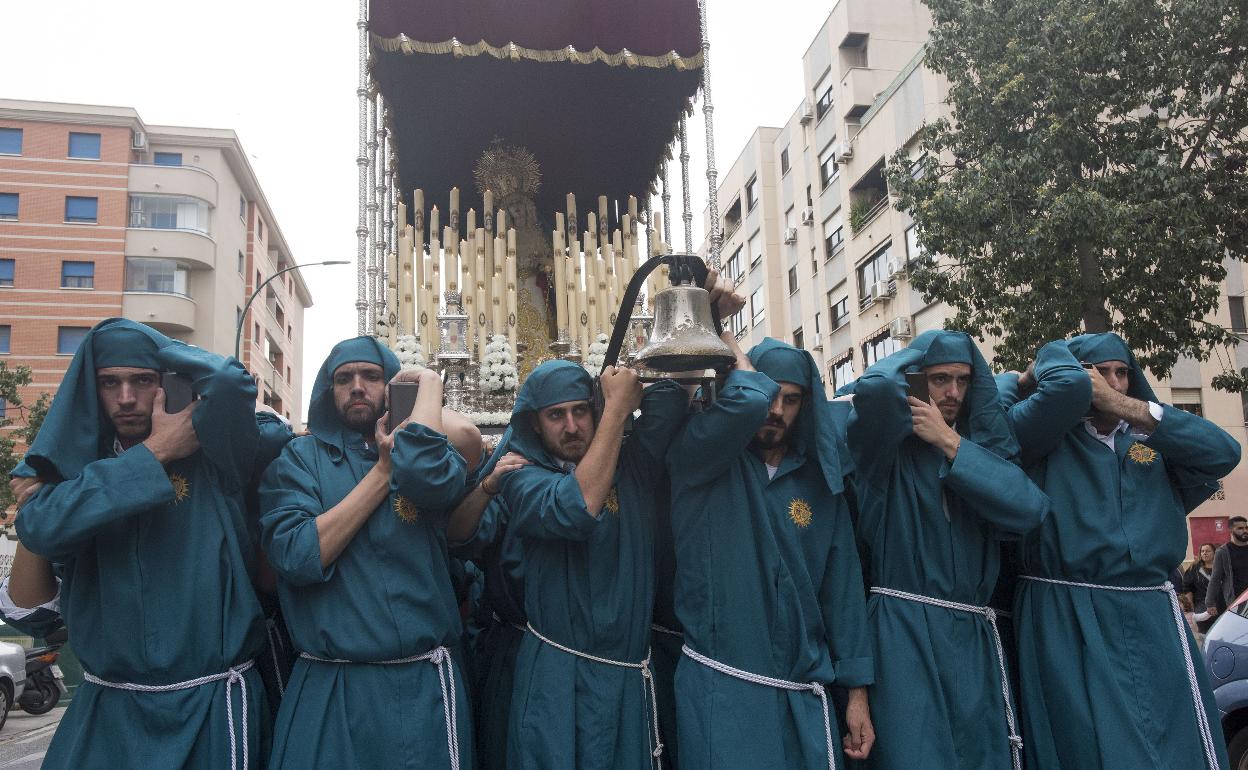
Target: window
column 164, row 276
column 6, row 332
column 878, row 268
column 167, row 159
column 817, row 329
column 1238, row 321
column 736, row 322
column 824, row 102
column 833, row 236
column 242, row 263
column 169, row 212
column 77, row 275
column 1187, row 399
column 757, row 311
column 259, row 229
column 81, row 210
column 242, row 208
column 790, row 219
column 842, row 372
column 827, row 167
column 797, row 338
column 734, row 266
column 84, row 146
column 784, row 161
column 8, row 205
column 3, row 408
column 914, row 250
column 754, row 249
column 68, row 338
column 878, row 347
column 792, row 280
column 839, row 310
column 809, row 201
column 6, row 272
column 814, row 263
column 751, row 193
column 10, row 141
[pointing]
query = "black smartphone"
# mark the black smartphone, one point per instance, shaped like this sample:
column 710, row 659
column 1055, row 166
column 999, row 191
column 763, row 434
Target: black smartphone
column 917, row 382
column 178, row 391
column 401, row 401
column 1087, row 365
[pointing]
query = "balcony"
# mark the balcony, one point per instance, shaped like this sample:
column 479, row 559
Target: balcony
column 859, row 88
column 172, row 180
column 165, row 312
column 191, row 246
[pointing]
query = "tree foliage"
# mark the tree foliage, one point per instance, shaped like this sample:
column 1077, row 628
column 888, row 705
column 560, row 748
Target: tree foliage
column 10, row 381
column 1091, row 174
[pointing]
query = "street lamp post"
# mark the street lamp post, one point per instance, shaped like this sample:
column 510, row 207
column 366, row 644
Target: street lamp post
column 238, row 332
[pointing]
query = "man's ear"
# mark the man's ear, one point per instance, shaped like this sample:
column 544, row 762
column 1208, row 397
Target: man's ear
column 535, row 423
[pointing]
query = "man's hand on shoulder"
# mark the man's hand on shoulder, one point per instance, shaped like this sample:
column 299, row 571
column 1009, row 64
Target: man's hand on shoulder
column 173, row 435
column 621, row 389
column 930, row 426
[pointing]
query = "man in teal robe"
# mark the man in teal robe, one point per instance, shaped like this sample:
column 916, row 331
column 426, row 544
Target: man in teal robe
column 768, row 583
column 584, row 510
column 1106, row 665
column 144, row 513
column 937, row 490
column 355, row 524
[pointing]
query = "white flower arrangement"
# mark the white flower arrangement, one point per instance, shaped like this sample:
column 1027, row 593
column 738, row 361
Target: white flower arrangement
column 597, row 355
column 498, row 373
column 487, row 418
column 409, row 353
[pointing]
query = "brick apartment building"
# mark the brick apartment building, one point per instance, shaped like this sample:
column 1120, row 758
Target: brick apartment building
column 102, row 215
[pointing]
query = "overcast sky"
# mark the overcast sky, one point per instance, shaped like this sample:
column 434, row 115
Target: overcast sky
column 282, row 74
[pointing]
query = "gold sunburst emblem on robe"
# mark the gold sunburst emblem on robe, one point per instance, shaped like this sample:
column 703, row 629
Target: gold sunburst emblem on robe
column 406, row 509
column 800, row 513
column 612, row 503
column 181, row 487
column 1141, row 454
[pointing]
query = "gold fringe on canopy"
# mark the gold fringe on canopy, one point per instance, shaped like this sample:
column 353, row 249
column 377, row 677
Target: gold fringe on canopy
column 404, row 44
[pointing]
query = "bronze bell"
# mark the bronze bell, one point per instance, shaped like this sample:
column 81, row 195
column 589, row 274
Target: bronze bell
column 684, row 336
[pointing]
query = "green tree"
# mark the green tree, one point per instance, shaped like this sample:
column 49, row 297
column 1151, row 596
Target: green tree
column 1091, row 175
column 10, row 381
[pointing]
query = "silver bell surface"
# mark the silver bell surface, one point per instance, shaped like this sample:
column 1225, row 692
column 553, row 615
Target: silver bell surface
column 684, row 336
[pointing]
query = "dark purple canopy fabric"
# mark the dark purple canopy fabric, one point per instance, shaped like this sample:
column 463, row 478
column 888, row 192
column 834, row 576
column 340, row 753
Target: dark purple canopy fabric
column 647, row 27
column 594, row 128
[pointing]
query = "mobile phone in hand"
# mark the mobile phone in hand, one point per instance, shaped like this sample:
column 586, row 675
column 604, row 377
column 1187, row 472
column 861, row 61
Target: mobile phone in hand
column 178, row 391
column 917, row 383
column 400, row 402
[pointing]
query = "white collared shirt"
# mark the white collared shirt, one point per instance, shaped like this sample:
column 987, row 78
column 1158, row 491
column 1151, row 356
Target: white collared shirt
column 1125, row 427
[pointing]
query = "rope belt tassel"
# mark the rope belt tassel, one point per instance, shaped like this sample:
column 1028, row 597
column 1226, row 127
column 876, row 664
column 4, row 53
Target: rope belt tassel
column 1202, row 719
column 233, row 676
column 440, row 657
column 647, row 683
column 782, row 684
column 989, row 614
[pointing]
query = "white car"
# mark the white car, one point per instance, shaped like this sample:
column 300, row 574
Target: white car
column 12, row 677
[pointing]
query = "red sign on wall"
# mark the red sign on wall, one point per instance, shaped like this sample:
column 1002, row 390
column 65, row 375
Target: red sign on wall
column 1208, row 529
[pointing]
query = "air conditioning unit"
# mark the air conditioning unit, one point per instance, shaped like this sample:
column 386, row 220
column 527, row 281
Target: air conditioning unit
column 808, row 216
column 817, row 343
column 844, row 152
column 900, row 328
column 894, row 267
column 808, row 112
column 136, row 219
column 790, row 235
column 879, row 291
column 138, row 141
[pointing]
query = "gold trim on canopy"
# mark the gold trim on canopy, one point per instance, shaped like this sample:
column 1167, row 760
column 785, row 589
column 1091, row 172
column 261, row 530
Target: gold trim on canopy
column 404, row 44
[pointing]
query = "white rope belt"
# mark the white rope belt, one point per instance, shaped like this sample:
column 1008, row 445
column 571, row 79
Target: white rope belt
column 665, row 630
column 647, row 684
column 811, row 687
column 233, row 676
column 989, row 614
column 1202, row 719
column 440, row 657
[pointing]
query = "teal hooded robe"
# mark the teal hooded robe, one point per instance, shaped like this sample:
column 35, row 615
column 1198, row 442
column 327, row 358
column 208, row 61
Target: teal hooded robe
column 1103, row 679
column 156, row 563
column 387, row 596
column 588, row 585
column 767, row 575
column 932, row 527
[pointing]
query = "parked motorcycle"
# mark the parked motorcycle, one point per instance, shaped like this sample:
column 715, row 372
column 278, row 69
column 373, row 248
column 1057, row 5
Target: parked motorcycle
column 45, row 684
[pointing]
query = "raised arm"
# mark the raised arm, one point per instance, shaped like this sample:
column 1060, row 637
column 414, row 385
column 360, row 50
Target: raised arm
column 547, row 504
column 881, row 418
column 474, row 522
column 1197, row 453
column 996, row 490
column 1063, row 393
column 664, row 408
column 595, row 473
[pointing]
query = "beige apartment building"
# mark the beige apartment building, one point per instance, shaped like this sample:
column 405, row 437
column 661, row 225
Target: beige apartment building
column 843, row 293
column 103, row 215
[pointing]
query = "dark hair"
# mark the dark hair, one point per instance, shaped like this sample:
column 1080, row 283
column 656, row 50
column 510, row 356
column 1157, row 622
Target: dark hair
column 1235, row 519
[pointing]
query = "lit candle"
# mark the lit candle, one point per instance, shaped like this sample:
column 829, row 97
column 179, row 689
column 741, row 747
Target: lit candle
column 468, row 294
column 392, row 296
column 499, row 283
column 450, row 263
column 401, row 222
column 435, row 268
column 485, row 211
column 511, row 291
column 427, row 310
column 602, row 219
column 572, row 222
column 559, row 284
column 433, row 223
column 455, row 211
column 591, row 285
column 406, row 283
column 481, row 282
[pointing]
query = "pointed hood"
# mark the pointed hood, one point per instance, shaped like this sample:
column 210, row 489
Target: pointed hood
column 552, row 382
column 323, row 419
column 1099, row 348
